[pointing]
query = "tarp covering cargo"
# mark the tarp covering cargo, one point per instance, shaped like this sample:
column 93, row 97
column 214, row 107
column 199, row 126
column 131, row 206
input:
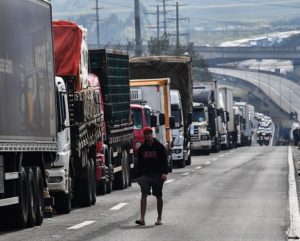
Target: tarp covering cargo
column 67, row 46
column 177, row 68
column 27, row 97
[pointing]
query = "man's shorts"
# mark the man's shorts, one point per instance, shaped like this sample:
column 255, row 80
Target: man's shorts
column 149, row 181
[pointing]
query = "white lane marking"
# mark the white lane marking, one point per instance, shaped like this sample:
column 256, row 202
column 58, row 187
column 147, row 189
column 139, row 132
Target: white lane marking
column 214, row 159
column 207, row 163
column 118, row 206
column 198, row 167
column 185, row 174
column 294, row 229
column 222, row 155
column 80, row 225
column 170, row 180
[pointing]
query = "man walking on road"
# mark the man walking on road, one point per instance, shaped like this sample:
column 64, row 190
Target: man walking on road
column 152, row 170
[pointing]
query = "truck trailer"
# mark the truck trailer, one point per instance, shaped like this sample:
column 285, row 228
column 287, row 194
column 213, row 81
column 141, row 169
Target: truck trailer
column 72, row 176
column 112, row 69
column 28, row 126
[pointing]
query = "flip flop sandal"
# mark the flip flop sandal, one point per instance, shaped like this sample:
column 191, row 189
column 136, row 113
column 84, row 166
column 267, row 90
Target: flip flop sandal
column 139, row 222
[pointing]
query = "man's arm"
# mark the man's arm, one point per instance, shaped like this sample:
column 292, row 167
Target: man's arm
column 164, row 160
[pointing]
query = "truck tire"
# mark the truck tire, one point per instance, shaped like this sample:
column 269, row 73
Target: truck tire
column 20, row 211
column 129, row 170
column 32, row 198
column 84, row 187
column 181, row 163
column 189, row 160
column 93, row 180
column 109, row 184
column 126, row 168
column 170, row 163
column 63, row 203
column 40, row 195
column 120, row 180
column 101, row 187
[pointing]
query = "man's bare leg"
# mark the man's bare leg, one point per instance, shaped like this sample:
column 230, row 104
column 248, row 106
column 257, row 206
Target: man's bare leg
column 159, row 210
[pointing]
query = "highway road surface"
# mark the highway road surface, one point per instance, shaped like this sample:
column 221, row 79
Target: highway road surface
column 238, row 194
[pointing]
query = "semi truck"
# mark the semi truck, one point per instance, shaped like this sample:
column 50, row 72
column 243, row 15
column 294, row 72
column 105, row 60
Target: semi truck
column 227, row 97
column 179, row 70
column 247, row 112
column 207, row 93
column 204, row 133
column 72, row 176
column 28, row 137
column 156, row 93
column 112, row 69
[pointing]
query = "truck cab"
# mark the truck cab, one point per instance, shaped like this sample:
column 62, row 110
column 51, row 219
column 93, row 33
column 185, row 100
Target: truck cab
column 180, row 149
column 199, row 134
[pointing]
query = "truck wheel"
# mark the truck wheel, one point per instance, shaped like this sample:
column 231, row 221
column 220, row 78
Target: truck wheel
column 126, row 169
column 119, row 182
column 170, row 163
column 189, row 160
column 40, row 195
column 181, row 163
column 20, row 211
column 129, row 171
column 101, row 187
column 93, row 181
column 32, row 198
column 84, row 187
column 109, row 184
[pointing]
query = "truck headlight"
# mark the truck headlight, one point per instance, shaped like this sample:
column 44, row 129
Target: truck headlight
column 205, row 137
column 176, row 151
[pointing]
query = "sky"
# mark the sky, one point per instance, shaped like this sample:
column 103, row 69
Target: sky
column 197, row 10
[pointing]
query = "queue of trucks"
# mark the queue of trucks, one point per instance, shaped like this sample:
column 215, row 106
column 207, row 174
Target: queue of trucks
column 72, row 118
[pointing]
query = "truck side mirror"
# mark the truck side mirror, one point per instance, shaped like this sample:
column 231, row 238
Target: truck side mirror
column 153, row 121
column 162, row 119
column 79, row 111
column 189, row 118
column 172, row 122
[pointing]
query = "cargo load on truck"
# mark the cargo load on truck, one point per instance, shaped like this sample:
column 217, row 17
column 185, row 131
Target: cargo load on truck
column 112, row 69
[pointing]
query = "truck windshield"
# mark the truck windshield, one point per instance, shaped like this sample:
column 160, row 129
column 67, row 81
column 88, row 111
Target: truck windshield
column 198, row 115
column 137, row 119
column 148, row 117
column 177, row 116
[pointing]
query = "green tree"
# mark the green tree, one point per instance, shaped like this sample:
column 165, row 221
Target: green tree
column 159, row 46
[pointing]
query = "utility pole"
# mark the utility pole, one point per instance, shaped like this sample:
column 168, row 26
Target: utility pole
column 178, row 19
column 165, row 16
column 138, row 42
column 157, row 22
column 97, row 21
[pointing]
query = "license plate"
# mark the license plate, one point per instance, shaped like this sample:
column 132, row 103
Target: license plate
column 1, row 175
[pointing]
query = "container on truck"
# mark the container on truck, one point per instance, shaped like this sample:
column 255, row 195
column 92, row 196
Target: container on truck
column 179, row 70
column 112, row 69
column 72, row 176
column 28, row 138
column 156, row 93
